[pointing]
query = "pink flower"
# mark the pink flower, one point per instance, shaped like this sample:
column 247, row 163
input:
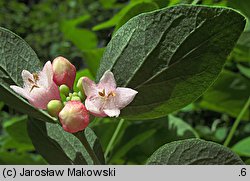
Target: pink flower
column 74, row 117
column 64, row 72
column 104, row 98
column 38, row 88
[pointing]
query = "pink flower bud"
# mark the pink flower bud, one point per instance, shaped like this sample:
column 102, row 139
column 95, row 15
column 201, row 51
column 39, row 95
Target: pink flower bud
column 64, row 72
column 74, row 117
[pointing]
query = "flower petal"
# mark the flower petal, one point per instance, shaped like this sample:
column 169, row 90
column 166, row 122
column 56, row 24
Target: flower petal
column 124, row 96
column 107, row 81
column 111, row 108
column 27, row 76
column 112, row 112
column 94, row 106
column 46, row 75
column 89, row 86
column 42, row 96
column 21, row 91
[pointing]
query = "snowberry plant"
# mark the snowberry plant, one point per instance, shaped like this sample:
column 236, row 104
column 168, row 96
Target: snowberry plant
column 156, row 63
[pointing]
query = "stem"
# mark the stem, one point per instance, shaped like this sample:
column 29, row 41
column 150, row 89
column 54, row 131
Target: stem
column 90, row 151
column 114, row 137
column 236, row 123
column 195, row 2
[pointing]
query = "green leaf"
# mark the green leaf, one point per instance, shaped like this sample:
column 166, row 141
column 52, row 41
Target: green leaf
column 100, row 127
column 182, row 129
column 135, row 10
column 242, row 50
column 15, row 56
column 244, row 70
column 228, row 94
column 170, row 56
column 126, row 13
column 9, row 143
column 92, row 59
column 160, row 3
column 16, row 127
column 242, row 148
column 107, row 3
column 194, row 152
column 142, row 138
column 247, row 162
column 82, row 38
column 12, row 158
column 241, row 5
column 60, row 147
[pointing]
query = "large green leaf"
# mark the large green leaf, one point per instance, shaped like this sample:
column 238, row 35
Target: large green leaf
column 129, row 11
column 60, row 147
column 15, row 56
column 194, row 152
column 228, row 94
column 170, row 56
column 135, row 10
column 242, row 50
column 242, row 148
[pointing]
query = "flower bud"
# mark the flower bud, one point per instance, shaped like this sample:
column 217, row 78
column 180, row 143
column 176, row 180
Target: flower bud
column 81, row 95
column 75, row 98
column 63, row 97
column 64, row 89
column 79, row 85
column 68, row 98
column 54, row 107
column 74, row 117
column 64, row 72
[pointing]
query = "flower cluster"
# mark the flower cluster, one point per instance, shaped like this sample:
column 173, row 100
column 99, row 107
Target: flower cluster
column 51, row 90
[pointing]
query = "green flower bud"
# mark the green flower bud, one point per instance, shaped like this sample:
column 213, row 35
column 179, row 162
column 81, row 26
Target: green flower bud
column 75, row 94
column 68, row 99
column 70, row 94
column 54, row 107
column 81, row 95
column 79, row 85
column 64, row 90
column 75, row 98
column 63, row 97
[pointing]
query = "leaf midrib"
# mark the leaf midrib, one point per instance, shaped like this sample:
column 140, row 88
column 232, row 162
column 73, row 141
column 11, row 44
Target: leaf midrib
column 184, row 56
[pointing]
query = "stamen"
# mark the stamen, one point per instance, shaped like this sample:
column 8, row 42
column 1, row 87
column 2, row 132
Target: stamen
column 35, row 76
column 111, row 94
column 31, row 81
column 34, row 86
column 102, row 94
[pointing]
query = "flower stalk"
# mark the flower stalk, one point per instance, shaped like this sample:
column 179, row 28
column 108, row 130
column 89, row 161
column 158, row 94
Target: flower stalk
column 236, row 123
column 84, row 141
